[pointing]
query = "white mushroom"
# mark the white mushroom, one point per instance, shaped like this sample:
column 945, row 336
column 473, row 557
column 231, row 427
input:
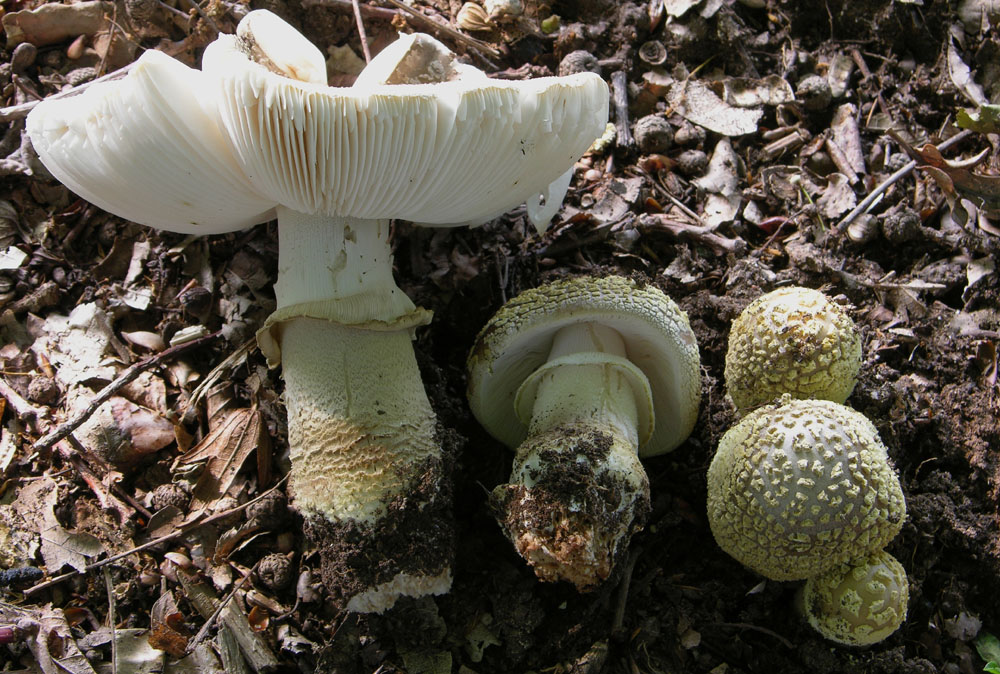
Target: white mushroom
column 582, row 377
column 258, row 132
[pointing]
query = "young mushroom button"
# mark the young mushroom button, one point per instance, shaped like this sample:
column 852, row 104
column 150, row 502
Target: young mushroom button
column 858, row 603
column 582, row 377
column 792, row 340
column 796, row 489
column 258, row 132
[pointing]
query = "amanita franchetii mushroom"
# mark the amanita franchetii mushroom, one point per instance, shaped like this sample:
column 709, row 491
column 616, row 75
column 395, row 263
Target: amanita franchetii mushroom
column 858, row 603
column 798, row 488
column 258, row 132
column 582, row 377
column 792, row 340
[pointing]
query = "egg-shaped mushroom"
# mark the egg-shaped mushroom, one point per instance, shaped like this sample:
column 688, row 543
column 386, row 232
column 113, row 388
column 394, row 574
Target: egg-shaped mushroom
column 858, row 603
column 792, row 340
column 582, row 377
column 800, row 487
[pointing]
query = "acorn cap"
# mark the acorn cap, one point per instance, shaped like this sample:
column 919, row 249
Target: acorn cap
column 658, row 341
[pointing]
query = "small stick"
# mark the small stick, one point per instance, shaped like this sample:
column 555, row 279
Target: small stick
column 20, row 111
column 447, row 30
column 619, row 97
column 366, row 10
column 181, row 530
column 203, row 631
column 619, row 616
column 128, row 375
column 718, row 243
column 21, row 406
column 361, row 31
column 893, row 179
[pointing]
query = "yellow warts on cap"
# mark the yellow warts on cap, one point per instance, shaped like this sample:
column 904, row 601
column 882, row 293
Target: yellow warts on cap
column 792, row 340
column 859, row 603
column 798, row 488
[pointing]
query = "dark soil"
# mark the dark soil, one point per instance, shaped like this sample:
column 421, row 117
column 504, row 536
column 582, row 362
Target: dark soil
column 676, row 603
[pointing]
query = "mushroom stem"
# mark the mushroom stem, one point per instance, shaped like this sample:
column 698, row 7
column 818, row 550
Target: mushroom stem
column 367, row 472
column 337, row 268
column 367, row 475
column 578, row 490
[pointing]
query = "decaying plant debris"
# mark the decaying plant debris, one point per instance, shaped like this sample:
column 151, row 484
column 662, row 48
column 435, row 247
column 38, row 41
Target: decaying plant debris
column 144, row 522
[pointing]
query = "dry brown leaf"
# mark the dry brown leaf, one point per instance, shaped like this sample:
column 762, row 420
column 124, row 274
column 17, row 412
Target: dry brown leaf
column 35, row 502
column 956, row 179
column 168, row 632
column 224, row 450
column 47, row 634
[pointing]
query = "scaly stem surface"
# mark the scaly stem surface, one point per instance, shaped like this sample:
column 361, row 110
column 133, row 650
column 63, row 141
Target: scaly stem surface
column 367, row 471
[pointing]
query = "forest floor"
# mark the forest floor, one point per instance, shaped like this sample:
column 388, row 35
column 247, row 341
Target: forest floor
column 788, row 133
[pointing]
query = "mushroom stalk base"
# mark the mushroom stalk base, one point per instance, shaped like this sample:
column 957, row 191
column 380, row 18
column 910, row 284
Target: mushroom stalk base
column 578, row 490
column 368, row 475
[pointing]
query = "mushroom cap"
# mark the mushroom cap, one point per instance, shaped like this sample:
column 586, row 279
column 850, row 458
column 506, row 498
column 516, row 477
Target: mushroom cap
column 798, row 488
column 149, row 148
column 792, row 340
column 858, row 603
column 204, row 152
column 658, row 340
column 448, row 153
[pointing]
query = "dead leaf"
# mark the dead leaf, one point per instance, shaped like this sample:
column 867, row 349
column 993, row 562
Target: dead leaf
column 838, row 197
column 847, row 137
column 78, row 345
column 35, row 504
column 224, row 450
column 956, row 179
column 698, row 103
column 744, row 92
column 48, row 636
column 54, row 22
column 721, row 182
column 168, row 632
column 121, row 432
column 961, row 76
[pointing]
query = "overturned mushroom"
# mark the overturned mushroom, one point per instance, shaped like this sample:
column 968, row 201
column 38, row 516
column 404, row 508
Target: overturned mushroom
column 796, row 489
column 582, row 377
column 256, row 133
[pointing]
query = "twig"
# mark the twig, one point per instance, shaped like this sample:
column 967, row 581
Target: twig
column 203, row 631
column 893, row 179
column 619, row 98
column 459, row 36
column 93, row 480
column 82, row 454
column 757, row 628
column 361, row 31
column 623, row 588
column 21, row 406
column 204, row 15
column 128, row 375
column 111, row 621
column 348, row 5
column 717, row 242
column 19, row 111
column 181, row 530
